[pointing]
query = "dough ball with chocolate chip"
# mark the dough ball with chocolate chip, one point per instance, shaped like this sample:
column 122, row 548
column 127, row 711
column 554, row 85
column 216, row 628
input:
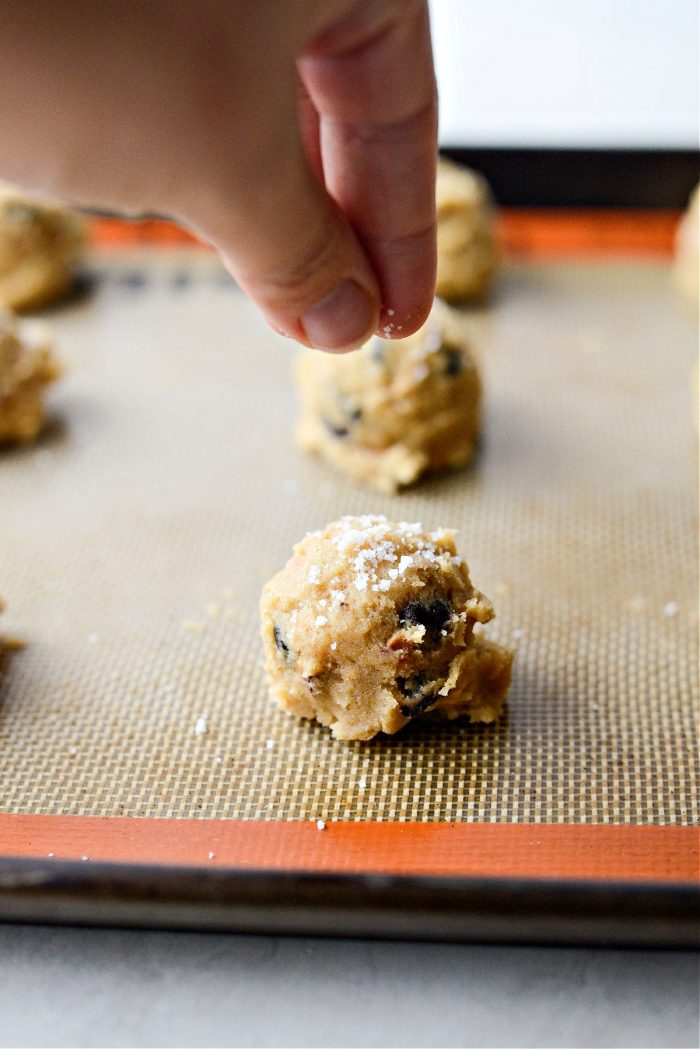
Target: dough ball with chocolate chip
column 27, row 366
column 467, row 258
column 41, row 244
column 395, row 409
column 687, row 251
column 371, row 624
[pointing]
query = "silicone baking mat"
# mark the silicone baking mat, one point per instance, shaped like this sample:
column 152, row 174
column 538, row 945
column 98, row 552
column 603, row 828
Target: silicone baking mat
column 135, row 538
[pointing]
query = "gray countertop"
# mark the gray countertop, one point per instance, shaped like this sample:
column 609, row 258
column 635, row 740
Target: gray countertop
column 85, row 987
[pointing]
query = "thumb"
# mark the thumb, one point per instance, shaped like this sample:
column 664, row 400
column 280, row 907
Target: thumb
column 293, row 251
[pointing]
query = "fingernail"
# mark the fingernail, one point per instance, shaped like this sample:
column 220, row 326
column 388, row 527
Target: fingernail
column 341, row 320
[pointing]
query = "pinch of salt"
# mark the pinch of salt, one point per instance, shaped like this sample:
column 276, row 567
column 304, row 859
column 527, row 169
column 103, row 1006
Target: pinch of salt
column 200, row 726
column 320, row 620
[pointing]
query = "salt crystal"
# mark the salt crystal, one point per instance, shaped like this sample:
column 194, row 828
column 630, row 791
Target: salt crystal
column 211, row 855
column 671, row 609
column 200, row 726
column 405, row 562
column 269, row 744
column 362, row 783
column 93, row 638
column 314, row 573
column 320, row 825
column 334, row 645
column 320, row 620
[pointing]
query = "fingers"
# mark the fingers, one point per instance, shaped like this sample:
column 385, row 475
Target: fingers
column 310, row 131
column 372, row 84
column 291, row 248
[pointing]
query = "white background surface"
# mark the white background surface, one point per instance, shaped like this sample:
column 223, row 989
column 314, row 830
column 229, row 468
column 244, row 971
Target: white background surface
column 68, row 987
column 606, row 73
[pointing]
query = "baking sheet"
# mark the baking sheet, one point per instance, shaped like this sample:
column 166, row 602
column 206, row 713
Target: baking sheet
column 135, row 538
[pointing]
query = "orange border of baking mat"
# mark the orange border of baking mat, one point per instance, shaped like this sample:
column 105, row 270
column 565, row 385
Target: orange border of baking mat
column 617, row 852
column 524, row 233
column 599, row 852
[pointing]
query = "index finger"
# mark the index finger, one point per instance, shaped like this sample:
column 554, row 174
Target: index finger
column 372, row 83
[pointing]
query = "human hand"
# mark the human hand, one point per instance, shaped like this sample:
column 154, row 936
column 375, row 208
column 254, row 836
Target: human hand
column 299, row 137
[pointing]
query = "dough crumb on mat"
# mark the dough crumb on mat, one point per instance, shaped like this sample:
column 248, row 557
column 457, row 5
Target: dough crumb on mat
column 27, row 366
column 467, row 253
column 41, row 244
column 400, row 610
column 396, row 409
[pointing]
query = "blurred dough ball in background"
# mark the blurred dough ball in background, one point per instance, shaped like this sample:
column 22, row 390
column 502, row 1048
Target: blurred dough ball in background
column 466, row 244
column 687, row 247
column 27, row 366
column 394, row 409
column 41, row 244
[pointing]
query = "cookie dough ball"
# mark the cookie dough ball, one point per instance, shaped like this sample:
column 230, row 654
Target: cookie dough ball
column 466, row 244
column 27, row 366
column 370, row 624
column 41, row 244
column 395, row 409
column 687, row 249
column 8, row 644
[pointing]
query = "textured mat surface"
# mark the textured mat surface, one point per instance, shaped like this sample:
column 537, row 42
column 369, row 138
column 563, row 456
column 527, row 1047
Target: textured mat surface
column 135, row 538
